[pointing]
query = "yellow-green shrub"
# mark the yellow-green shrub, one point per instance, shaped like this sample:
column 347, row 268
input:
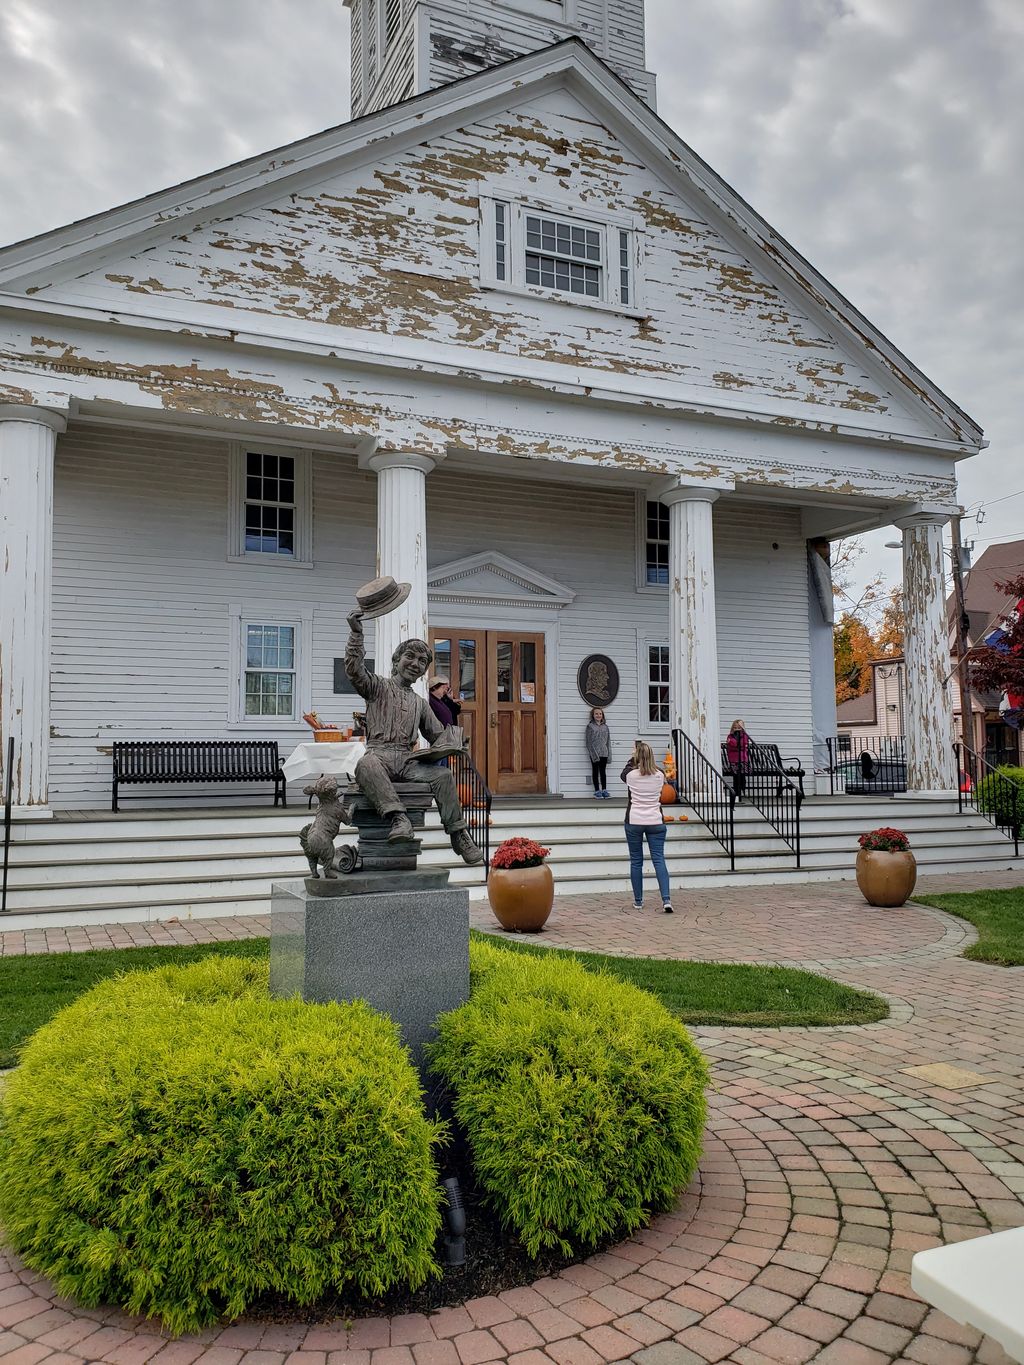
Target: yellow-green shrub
column 582, row 1097
column 178, row 1142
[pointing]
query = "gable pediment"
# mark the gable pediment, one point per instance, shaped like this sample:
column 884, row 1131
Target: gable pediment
column 493, row 579
column 373, row 229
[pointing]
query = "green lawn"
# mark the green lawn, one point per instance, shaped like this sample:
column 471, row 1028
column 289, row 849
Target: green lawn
column 998, row 917
column 33, row 988
column 721, row 993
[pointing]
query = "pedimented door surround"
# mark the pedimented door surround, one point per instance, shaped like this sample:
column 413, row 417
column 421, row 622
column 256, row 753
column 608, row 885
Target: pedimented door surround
column 501, row 669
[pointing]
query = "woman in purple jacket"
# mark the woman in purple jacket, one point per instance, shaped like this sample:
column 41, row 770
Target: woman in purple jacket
column 442, row 703
column 737, row 751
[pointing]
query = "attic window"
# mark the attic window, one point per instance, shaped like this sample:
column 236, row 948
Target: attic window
column 545, row 249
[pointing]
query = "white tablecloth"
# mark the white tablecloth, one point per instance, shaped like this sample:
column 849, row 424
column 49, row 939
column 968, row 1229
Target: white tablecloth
column 310, row 760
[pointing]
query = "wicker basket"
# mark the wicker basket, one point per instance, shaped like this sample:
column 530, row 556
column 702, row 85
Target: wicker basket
column 327, row 736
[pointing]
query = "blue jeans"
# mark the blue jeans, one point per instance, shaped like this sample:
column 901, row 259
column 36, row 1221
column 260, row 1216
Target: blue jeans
column 656, row 843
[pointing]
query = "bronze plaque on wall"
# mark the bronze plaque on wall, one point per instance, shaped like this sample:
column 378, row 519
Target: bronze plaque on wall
column 598, row 680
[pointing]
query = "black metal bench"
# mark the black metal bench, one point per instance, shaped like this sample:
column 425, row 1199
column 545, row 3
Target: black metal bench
column 765, row 760
column 198, row 760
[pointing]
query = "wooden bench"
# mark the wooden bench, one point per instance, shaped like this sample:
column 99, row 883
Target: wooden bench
column 764, row 760
column 198, row 760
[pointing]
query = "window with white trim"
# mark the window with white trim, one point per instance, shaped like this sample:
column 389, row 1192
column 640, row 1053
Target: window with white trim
column 656, row 544
column 658, row 703
column 270, row 675
column 271, row 511
column 554, row 250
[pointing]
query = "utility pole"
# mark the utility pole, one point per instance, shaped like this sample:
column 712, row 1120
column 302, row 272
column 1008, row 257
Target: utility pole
column 961, row 625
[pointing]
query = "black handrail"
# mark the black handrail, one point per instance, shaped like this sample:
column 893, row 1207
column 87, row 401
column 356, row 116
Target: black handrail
column 705, row 790
column 781, row 807
column 475, row 799
column 8, row 799
column 990, row 793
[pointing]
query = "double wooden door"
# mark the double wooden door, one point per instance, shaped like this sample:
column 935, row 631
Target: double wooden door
column 498, row 676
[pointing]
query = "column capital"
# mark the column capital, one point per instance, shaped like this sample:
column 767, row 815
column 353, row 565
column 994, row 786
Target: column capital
column 400, row 459
column 671, row 496
column 921, row 518
column 40, row 417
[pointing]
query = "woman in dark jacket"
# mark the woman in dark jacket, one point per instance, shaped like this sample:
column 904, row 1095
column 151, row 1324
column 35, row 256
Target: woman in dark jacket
column 442, row 703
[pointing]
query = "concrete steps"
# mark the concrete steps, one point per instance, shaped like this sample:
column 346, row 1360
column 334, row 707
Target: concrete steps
column 89, row 867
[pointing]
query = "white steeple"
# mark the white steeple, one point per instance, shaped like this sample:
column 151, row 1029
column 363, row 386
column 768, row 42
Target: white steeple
column 401, row 48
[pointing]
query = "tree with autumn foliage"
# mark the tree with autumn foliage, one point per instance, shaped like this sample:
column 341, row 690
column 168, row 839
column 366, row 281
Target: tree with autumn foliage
column 871, row 626
column 1000, row 668
column 854, row 649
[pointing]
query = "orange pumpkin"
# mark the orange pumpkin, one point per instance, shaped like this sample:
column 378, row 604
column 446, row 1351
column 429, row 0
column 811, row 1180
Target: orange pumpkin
column 668, row 794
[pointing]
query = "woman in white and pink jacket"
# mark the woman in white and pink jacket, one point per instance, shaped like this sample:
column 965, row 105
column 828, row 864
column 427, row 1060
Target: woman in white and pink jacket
column 644, row 820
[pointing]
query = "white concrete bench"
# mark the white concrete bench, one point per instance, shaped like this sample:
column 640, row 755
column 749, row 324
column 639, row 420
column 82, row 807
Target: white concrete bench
column 978, row 1283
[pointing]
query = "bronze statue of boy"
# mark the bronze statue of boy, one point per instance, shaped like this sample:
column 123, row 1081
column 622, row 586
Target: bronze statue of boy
column 395, row 717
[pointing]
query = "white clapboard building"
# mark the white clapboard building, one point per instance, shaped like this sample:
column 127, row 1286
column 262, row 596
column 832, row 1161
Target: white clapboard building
column 503, row 335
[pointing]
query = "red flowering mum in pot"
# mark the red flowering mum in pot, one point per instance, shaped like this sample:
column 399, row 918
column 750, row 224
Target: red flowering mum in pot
column 885, row 839
column 520, row 886
column 886, row 868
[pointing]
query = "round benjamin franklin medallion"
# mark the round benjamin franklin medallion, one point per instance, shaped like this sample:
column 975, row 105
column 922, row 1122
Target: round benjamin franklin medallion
column 598, row 680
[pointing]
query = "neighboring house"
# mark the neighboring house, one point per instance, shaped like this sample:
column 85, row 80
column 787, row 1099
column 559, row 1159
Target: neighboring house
column 986, row 606
column 875, row 720
column 505, row 336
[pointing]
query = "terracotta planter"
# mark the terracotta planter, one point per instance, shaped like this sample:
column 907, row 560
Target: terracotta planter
column 521, row 897
column 885, row 878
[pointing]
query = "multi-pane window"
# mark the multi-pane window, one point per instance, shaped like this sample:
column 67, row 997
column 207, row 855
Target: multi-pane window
column 269, row 675
column 564, row 255
column 656, row 543
column 657, row 685
column 530, row 247
column 269, row 503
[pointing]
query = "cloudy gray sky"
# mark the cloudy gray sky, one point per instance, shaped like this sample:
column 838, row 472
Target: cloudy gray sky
column 883, row 138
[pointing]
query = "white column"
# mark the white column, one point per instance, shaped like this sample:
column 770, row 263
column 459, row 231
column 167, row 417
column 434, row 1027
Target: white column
column 693, row 660
column 28, row 439
column 931, row 767
column 401, row 545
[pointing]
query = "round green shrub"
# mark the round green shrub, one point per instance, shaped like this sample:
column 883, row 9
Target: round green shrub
column 582, row 1097
column 179, row 1143
column 1004, row 801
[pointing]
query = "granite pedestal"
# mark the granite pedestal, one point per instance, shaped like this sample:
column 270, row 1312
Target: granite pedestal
column 404, row 951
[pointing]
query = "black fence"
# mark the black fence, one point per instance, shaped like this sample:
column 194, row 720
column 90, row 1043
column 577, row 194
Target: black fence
column 475, row 799
column 866, row 767
column 705, row 790
column 990, row 793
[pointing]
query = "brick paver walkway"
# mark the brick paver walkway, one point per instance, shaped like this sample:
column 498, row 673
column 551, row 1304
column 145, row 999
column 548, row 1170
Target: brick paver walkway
column 827, row 1165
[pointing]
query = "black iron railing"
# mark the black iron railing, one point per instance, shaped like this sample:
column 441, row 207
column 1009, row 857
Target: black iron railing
column 778, row 799
column 705, row 790
column 992, row 794
column 8, row 805
column 475, row 799
column 867, row 767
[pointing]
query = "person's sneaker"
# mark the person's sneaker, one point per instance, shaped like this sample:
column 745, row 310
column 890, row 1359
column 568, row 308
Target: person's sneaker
column 597, row 796
column 667, row 908
column 606, row 796
column 464, row 846
column 638, row 906
column 401, row 828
